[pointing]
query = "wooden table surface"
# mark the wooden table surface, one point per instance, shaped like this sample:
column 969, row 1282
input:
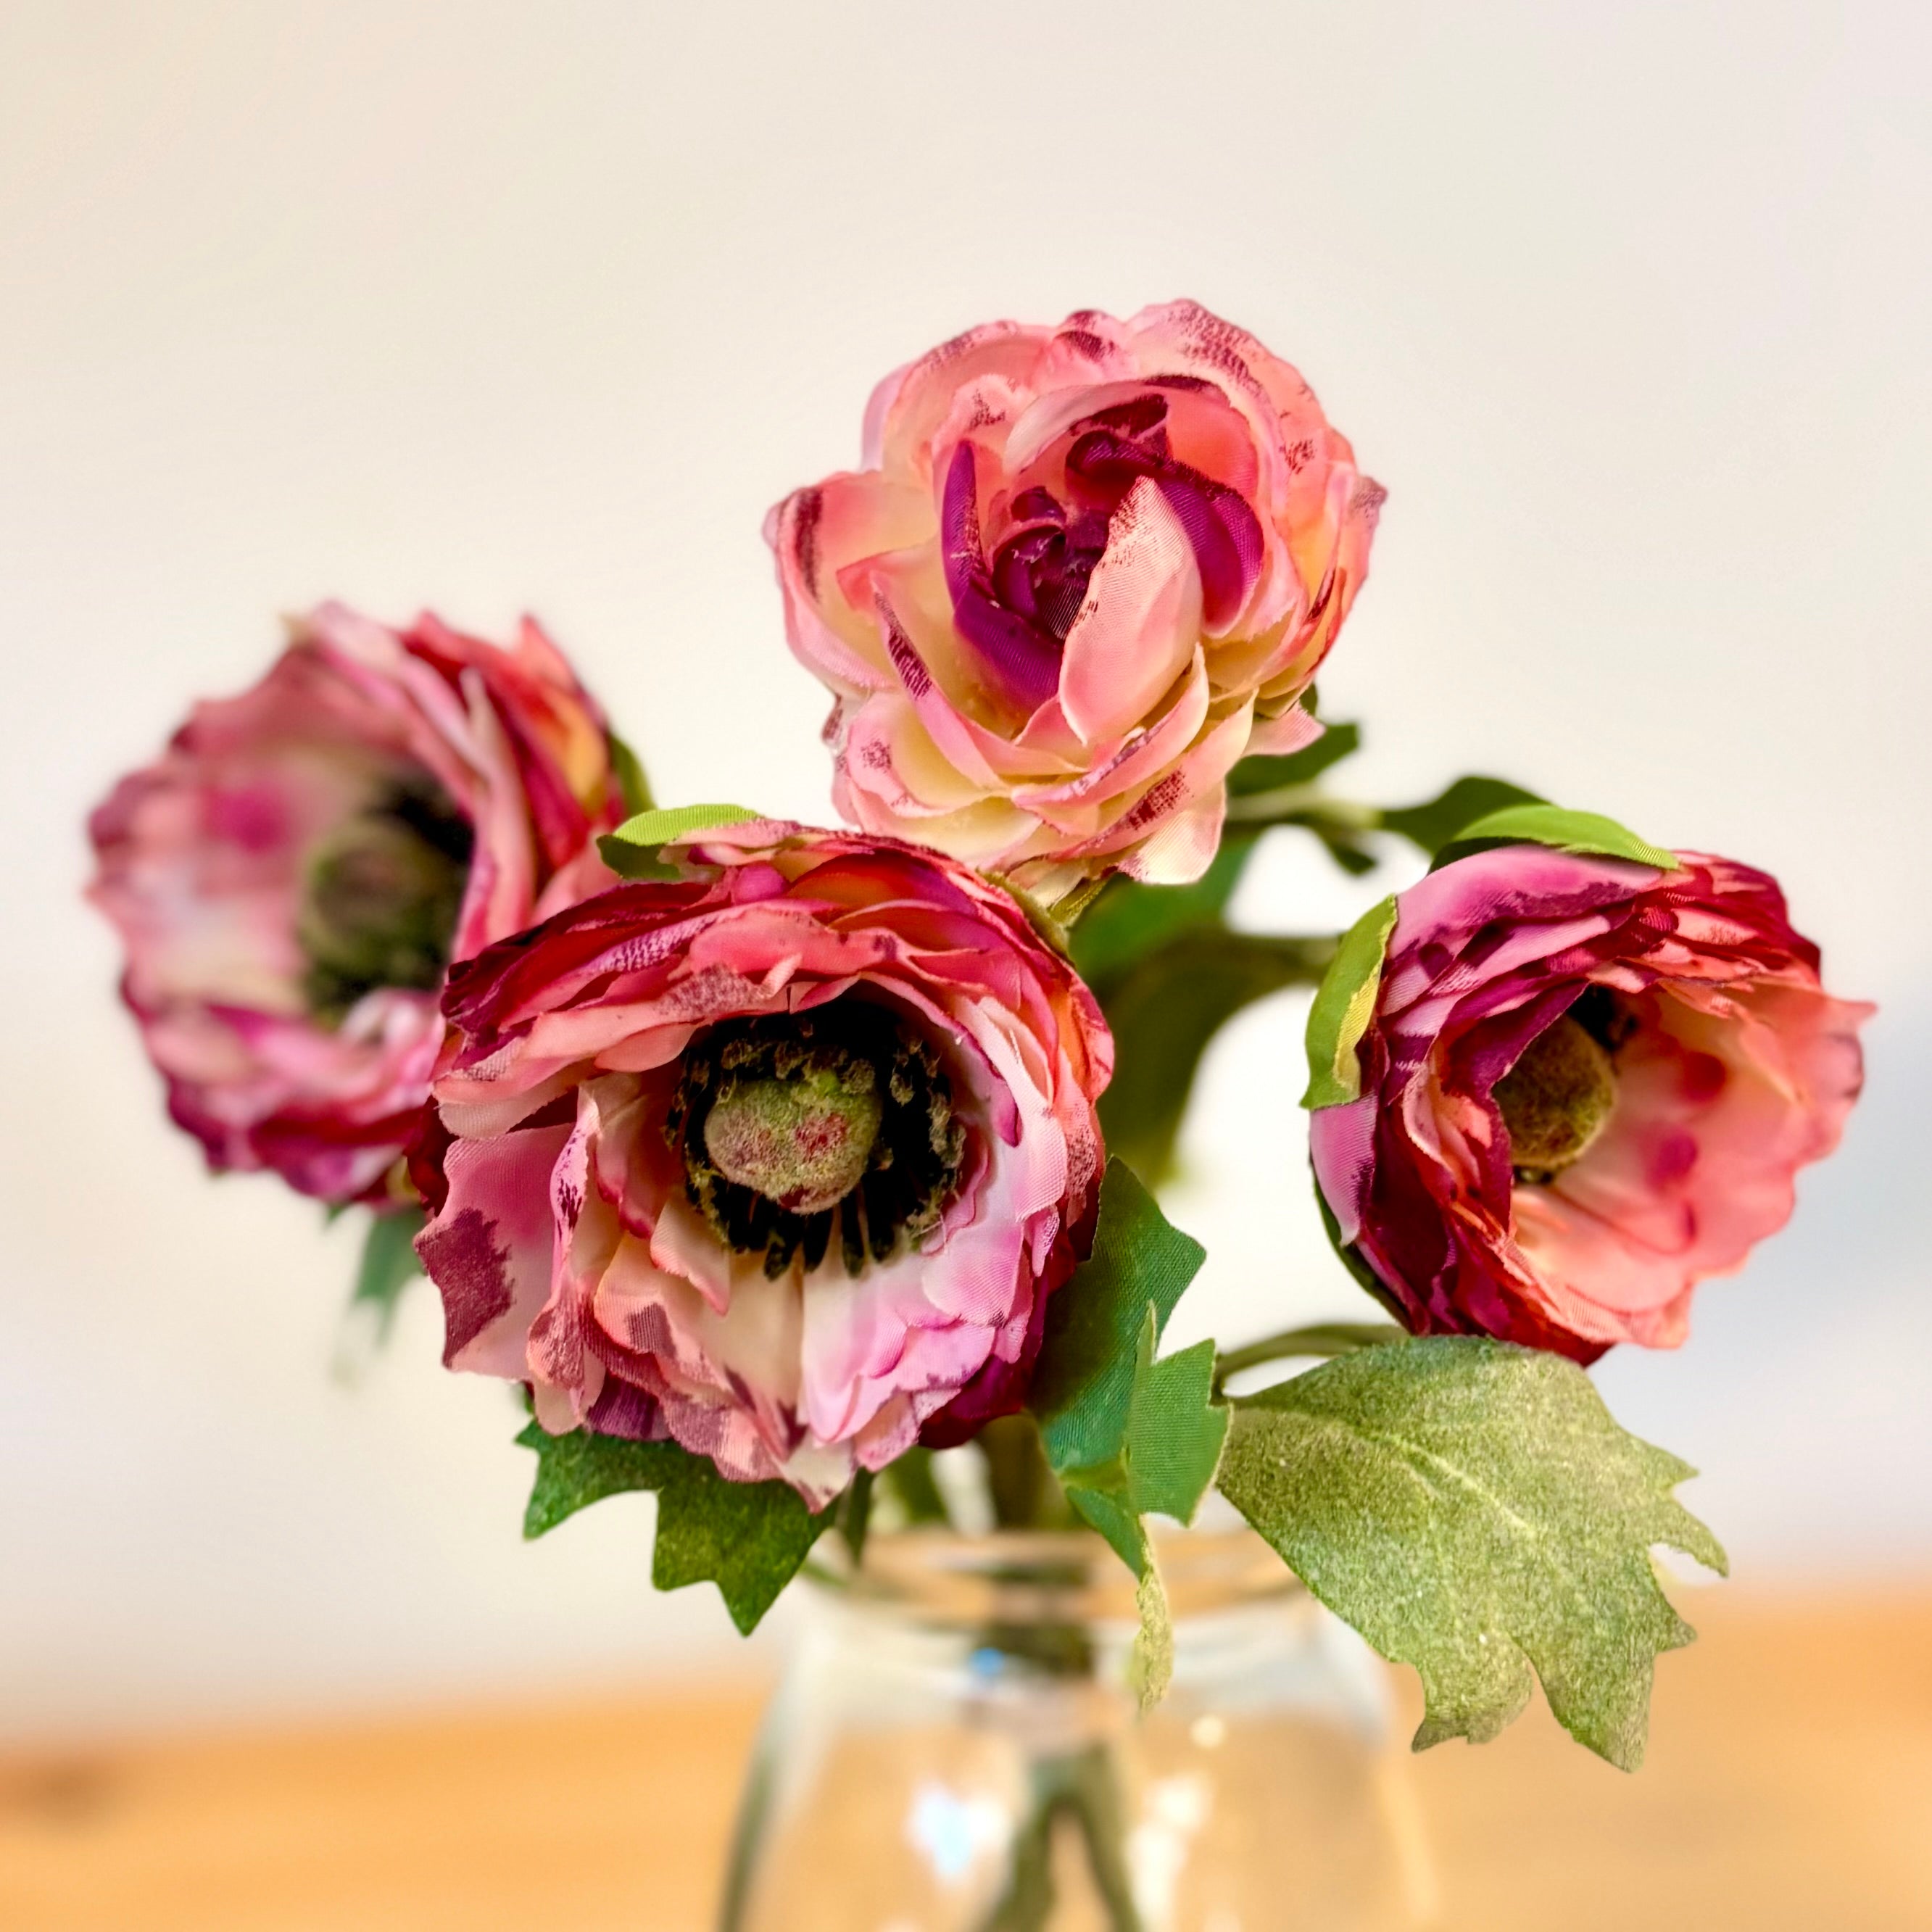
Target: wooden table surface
column 1789, row 1787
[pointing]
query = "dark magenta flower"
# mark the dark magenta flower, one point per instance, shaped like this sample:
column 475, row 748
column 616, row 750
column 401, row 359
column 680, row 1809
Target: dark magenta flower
column 781, row 1160
column 1586, row 1084
column 293, row 875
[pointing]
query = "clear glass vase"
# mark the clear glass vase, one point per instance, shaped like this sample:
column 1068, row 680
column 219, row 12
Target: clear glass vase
column 954, row 1748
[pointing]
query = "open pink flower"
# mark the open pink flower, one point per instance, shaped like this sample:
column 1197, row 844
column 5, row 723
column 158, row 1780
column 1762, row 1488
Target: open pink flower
column 781, row 1161
column 1084, row 570
column 1587, row 1083
column 293, row 874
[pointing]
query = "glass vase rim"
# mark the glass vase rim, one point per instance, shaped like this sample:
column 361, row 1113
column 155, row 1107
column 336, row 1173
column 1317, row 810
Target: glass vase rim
column 944, row 1576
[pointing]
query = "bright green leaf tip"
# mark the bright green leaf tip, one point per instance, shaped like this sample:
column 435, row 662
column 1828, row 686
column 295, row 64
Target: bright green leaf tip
column 661, row 826
column 1344, row 1003
column 635, row 850
column 1578, row 831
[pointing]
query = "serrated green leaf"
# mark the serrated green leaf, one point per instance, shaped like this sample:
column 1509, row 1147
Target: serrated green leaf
column 628, row 770
column 1260, row 774
column 1344, row 1003
column 582, row 1468
column 1472, row 1509
column 1432, row 824
column 1175, row 1429
column 634, row 850
column 1165, row 1012
column 1552, row 825
column 748, row 1538
column 1083, row 1383
column 1169, row 1447
column 1129, row 1435
column 388, row 1263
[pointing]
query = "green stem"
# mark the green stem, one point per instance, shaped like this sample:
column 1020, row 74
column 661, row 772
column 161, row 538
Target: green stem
column 1068, row 908
column 855, row 1513
column 1084, row 1788
column 1025, row 1493
column 913, row 1485
column 1303, row 805
column 1322, row 1338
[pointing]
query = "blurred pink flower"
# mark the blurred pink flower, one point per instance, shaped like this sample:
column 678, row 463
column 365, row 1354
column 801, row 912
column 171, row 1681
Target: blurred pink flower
column 781, row 1161
column 291, row 877
column 1084, row 570
column 1587, row 1085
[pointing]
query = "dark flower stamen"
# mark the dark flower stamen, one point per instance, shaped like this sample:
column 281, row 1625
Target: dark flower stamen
column 792, row 1125
column 381, row 898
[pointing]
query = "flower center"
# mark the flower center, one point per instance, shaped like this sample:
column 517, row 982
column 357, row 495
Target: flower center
column 380, row 903
column 1556, row 1099
column 803, row 1142
column 797, row 1125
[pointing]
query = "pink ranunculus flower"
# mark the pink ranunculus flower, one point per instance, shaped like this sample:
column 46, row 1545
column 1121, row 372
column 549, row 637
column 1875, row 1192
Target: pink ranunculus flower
column 781, row 1160
column 1084, row 570
column 293, row 874
column 1587, row 1084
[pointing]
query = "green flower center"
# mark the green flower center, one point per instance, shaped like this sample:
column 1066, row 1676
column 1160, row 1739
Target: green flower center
column 799, row 1127
column 805, row 1142
column 1556, row 1099
column 379, row 905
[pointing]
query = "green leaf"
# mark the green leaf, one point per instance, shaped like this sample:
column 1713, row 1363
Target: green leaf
column 1165, row 1465
column 1130, row 920
column 388, row 1263
column 1296, row 768
column 1472, row 1509
column 1344, row 1004
column 1433, row 824
column 1130, row 1435
column 627, row 769
column 634, row 851
column 1579, row 832
column 1164, row 1014
column 1175, row 1429
column 748, row 1538
column 1083, row 1384
column 1164, row 1460
column 664, row 826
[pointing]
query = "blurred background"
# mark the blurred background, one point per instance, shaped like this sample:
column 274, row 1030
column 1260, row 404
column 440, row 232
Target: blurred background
column 492, row 308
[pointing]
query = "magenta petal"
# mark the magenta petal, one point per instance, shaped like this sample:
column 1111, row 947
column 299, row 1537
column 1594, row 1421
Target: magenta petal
column 1021, row 660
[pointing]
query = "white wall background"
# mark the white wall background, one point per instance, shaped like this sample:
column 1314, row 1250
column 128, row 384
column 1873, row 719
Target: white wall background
column 490, row 307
